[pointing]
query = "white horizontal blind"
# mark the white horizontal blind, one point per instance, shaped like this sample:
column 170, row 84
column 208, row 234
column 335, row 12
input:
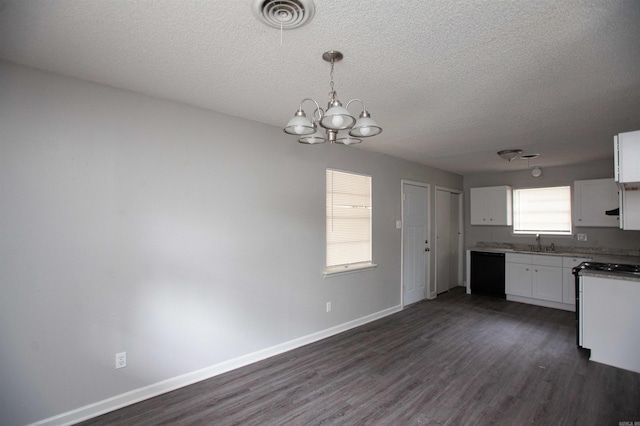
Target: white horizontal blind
column 542, row 210
column 348, row 219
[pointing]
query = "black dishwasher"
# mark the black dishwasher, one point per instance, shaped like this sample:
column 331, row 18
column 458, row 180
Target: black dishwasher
column 487, row 274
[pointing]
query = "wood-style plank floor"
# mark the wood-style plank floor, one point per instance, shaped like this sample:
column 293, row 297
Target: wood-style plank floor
column 458, row 360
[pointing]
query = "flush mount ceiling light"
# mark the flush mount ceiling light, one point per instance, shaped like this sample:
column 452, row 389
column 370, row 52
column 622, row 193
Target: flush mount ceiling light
column 529, row 156
column 336, row 118
column 284, row 14
column 510, row 154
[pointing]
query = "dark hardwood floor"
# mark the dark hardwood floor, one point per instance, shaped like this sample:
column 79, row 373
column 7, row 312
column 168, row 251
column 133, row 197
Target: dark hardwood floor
column 458, row 360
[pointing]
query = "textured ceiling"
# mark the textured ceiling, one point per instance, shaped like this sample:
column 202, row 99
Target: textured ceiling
column 451, row 82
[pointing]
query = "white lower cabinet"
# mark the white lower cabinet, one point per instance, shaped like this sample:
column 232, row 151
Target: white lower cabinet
column 569, row 280
column 547, row 283
column 518, row 280
column 540, row 279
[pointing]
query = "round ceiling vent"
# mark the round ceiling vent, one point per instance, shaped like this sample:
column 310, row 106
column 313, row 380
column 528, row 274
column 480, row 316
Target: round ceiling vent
column 285, row 14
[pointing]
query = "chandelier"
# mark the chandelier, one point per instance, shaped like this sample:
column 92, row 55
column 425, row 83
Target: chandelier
column 337, row 118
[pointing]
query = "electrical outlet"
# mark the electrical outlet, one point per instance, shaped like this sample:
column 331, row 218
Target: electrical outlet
column 582, row 237
column 328, row 306
column 121, row 360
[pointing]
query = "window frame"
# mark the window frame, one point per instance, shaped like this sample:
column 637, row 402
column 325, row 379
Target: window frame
column 516, row 214
column 347, row 268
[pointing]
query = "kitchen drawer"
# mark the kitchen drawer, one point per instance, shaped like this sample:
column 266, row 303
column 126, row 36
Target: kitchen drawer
column 537, row 259
column 518, row 258
column 570, row 262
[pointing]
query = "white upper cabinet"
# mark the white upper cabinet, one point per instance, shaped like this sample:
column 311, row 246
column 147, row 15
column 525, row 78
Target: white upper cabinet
column 491, row 206
column 627, row 172
column 627, row 157
column 591, row 199
column 630, row 209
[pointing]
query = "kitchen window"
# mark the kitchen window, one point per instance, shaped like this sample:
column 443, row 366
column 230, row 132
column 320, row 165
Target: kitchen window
column 348, row 233
column 542, row 211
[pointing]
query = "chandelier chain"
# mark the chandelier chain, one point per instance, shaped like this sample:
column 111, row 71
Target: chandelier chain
column 332, row 94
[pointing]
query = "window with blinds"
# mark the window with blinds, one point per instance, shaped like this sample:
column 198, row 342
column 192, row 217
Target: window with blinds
column 348, row 222
column 542, row 211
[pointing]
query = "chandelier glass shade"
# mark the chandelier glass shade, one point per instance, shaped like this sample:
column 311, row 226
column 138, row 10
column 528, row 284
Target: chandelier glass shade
column 299, row 125
column 314, row 138
column 336, row 118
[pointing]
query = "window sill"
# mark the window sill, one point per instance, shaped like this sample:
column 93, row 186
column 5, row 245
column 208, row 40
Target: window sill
column 335, row 271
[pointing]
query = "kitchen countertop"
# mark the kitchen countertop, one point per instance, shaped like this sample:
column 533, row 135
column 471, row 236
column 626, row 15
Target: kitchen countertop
column 603, row 257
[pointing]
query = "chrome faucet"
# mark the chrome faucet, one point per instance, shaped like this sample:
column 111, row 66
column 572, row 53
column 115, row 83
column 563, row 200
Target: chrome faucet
column 538, row 241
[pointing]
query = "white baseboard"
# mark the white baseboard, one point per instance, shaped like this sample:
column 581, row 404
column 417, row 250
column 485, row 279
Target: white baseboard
column 538, row 302
column 140, row 394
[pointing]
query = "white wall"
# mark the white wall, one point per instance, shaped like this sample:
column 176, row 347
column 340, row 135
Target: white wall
column 181, row 236
column 552, row 176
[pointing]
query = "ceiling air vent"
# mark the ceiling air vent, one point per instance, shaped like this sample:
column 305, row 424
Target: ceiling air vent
column 285, row 14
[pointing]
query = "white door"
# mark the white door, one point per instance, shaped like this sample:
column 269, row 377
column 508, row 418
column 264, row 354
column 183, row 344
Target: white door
column 415, row 242
column 443, row 241
column 456, row 246
column 448, row 240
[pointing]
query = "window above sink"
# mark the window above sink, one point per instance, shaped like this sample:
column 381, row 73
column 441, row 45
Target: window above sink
column 542, row 211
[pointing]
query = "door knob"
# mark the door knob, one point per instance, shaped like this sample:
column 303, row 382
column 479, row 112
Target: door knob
column 427, row 249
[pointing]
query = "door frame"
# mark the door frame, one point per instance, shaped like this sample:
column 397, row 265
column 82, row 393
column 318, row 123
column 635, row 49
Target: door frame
column 427, row 284
column 459, row 268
